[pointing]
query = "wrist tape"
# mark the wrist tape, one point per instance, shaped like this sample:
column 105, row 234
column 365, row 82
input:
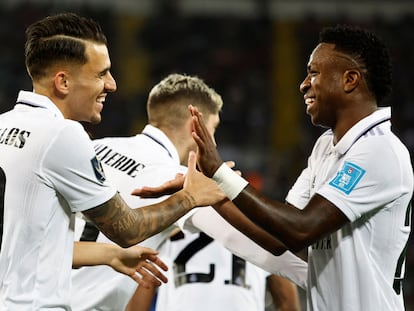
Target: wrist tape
column 229, row 181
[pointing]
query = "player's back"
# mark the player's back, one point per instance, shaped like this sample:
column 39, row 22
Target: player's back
column 206, row 276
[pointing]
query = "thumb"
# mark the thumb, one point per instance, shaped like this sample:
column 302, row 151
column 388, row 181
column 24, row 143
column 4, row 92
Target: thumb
column 192, row 162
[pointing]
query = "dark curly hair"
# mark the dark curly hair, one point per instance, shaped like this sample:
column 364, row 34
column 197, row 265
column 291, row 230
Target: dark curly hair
column 368, row 50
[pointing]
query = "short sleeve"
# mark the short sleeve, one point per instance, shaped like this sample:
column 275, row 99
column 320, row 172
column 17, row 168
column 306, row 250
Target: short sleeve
column 71, row 166
column 299, row 194
column 366, row 179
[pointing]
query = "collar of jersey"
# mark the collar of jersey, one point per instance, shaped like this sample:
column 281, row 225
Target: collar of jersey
column 37, row 100
column 160, row 137
column 363, row 126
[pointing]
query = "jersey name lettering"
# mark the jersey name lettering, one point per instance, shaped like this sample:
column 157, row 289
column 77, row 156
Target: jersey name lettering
column 323, row 244
column 13, row 137
column 118, row 161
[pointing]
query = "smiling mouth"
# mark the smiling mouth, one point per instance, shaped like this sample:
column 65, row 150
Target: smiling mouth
column 101, row 98
column 309, row 102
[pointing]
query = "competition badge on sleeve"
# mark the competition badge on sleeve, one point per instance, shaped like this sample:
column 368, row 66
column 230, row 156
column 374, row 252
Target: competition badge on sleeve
column 348, row 177
column 98, row 169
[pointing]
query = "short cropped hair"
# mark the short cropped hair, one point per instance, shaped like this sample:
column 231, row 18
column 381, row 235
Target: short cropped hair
column 58, row 38
column 167, row 104
column 367, row 50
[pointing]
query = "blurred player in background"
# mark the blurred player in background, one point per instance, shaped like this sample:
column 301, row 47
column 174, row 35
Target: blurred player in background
column 205, row 276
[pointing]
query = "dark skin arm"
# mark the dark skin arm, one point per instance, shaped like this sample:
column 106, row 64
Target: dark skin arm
column 126, row 226
column 228, row 210
column 295, row 228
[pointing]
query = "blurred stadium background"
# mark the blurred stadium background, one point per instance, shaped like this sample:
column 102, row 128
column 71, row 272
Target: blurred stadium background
column 253, row 52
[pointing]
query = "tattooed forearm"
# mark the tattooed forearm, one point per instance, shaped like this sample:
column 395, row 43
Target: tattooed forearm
column 190, row 198
column 123, row 224
column 126, row 226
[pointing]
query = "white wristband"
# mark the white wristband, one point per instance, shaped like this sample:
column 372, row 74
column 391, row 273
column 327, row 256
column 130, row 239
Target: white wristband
column 229, row 181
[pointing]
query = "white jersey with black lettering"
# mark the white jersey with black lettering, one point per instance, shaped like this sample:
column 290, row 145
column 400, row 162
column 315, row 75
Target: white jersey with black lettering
column 205, row 276
column 147, row 159
column 150, row 159
column 369, row 177
column 48, row 171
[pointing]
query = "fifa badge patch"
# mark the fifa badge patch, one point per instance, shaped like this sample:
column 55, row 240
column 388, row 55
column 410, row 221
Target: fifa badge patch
column 348, row 177
column 98, row 169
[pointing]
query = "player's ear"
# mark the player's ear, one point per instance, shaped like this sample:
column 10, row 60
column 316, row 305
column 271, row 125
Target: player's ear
column 351, row 79
column 61, row 82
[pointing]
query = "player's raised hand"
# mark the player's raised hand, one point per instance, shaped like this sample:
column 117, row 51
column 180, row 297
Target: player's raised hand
column 208, row 157
column 169, row 187
column 201, row 190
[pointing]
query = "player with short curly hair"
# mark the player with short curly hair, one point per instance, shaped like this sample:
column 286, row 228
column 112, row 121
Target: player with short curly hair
column 350, row 207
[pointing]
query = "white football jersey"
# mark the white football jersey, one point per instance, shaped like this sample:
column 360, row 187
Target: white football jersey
column 48, row 171
column 205, row 276
column 150, row 159
column 147, row 159
column 369, row 177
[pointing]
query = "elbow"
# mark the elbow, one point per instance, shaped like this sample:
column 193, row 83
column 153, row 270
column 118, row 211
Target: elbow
column 297, row 248
column 299, row 235
column 126, row 244
column 124, row 240
column 298, row 242
column 279, row 251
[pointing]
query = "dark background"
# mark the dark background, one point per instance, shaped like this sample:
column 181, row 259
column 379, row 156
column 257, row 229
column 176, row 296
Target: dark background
column 254, row 53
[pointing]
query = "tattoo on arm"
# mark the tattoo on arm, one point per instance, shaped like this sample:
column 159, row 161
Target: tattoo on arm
column 126, row 226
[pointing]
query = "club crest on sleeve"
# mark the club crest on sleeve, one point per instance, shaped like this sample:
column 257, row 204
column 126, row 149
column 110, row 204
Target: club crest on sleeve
column 348, row 177
column 98, row 169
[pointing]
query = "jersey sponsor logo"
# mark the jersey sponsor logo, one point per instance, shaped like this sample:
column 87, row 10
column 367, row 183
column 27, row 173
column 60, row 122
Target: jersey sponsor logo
column 348, row 177
column 98, row 169
column 14, row 137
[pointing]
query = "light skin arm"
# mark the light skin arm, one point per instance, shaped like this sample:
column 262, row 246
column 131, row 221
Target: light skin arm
column 129, row 261
column 284, row 293
column 295, row 228
column 126, row 226
column 142, row 299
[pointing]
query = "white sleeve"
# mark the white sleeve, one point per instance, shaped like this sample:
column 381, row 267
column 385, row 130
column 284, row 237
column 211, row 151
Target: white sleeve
column 72, row 167
column 288, row 265
column 299, row 194
column 361, row 184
